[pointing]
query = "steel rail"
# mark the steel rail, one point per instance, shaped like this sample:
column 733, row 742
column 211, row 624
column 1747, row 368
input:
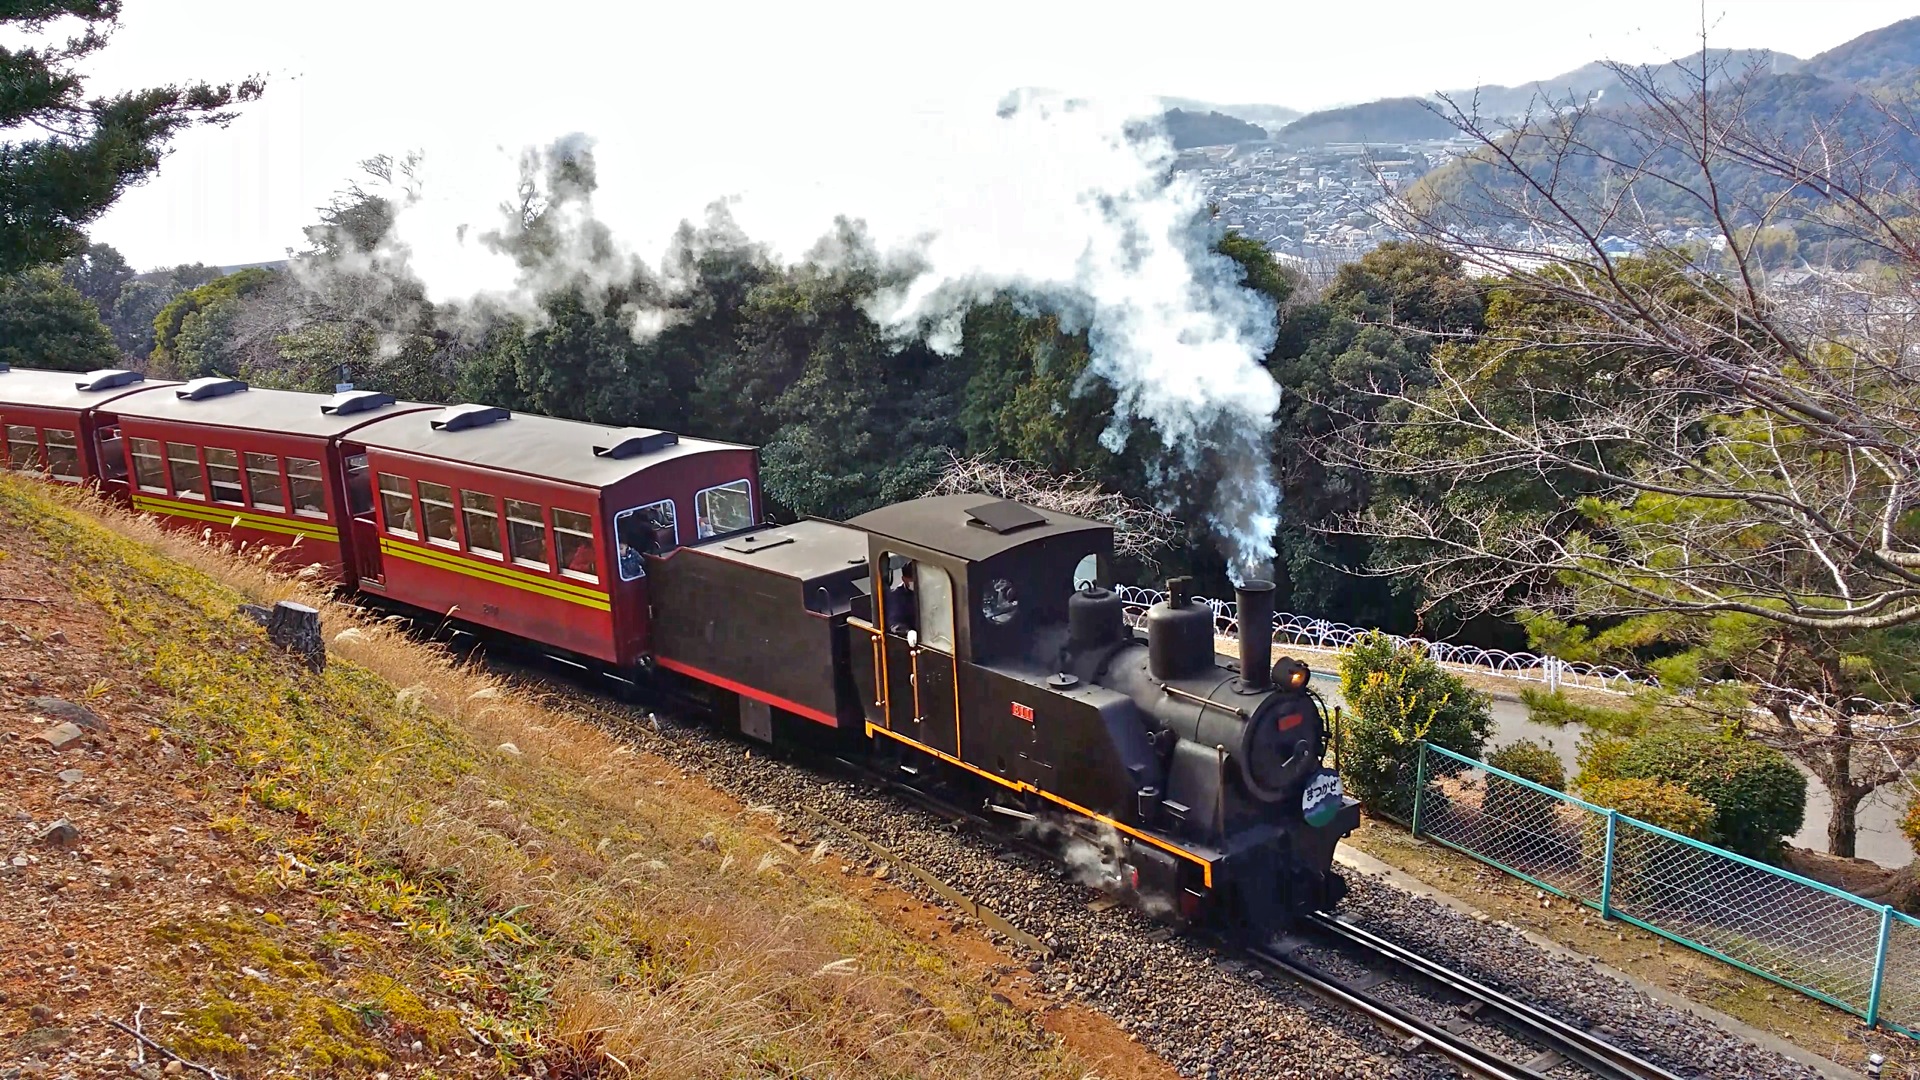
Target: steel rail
column 1582, row 1047
column 1476, row 1060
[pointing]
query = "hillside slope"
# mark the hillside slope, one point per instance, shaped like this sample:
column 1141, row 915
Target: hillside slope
column 403, row 867
column 1388, row 120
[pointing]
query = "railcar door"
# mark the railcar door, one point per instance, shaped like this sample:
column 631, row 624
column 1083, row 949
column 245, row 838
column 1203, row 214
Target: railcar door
column 918, row 609
column 363, row 531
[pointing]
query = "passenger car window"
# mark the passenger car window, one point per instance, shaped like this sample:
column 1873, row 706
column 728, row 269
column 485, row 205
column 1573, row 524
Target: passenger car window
column 573, row 543
column 223, row 475
column 23, row 447
column 482, row 516
column 396, row 504
column 263, row 479
column 148, row 470
column 527, row 534
column 183, row 461
column 723, row 509
column 305, row 487
column 644, row 530
column 63, row 454
column 436, row 507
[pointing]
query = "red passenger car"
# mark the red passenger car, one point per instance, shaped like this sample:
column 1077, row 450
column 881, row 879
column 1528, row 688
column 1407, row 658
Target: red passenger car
column 539, row 527
column 50, row 424
column 263, row 466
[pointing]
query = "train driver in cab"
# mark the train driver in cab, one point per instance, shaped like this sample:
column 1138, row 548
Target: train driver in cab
column 903, row 603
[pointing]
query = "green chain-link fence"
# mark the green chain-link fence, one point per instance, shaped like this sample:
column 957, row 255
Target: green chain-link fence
column 1830, row 944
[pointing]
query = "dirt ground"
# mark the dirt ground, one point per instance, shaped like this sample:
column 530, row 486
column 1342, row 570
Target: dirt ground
column 153, row 879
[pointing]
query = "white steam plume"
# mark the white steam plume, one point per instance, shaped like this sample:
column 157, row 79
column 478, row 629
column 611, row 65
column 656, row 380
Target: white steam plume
column 1069, row 205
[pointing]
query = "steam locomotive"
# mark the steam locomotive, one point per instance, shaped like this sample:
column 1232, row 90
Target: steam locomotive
column 960, row 640
column 974, row 638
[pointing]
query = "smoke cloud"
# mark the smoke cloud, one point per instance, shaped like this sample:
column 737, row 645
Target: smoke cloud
column 1068, row 205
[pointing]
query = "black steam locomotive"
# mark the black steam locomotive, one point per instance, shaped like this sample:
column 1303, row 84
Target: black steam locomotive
column 972, row 639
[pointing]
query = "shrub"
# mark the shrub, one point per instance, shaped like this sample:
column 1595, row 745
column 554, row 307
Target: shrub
column 1758, row 797
column 1911, row 823
column 1515, row 807
column 1533, row 761
column 1598, row 758
column 1655, row 802
column 1397, row 696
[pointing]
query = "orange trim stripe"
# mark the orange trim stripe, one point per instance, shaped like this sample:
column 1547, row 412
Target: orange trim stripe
column 1206, row 865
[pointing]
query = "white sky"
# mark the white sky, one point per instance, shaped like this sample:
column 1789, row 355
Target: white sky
column 731, row 97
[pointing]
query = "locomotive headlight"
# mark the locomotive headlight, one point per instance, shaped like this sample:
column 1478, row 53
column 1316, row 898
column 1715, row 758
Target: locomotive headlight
column 1291, row 674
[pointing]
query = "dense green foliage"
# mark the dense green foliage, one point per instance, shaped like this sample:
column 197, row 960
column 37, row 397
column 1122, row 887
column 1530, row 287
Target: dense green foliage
column 79, row 154
column 193, row 332
column 1656, row 802
column 1758, row 797
column 1531, row 760
column 47, row 323
column 1396, row 697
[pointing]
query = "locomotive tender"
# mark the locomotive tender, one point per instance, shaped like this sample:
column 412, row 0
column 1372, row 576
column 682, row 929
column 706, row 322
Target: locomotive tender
column 962, row 640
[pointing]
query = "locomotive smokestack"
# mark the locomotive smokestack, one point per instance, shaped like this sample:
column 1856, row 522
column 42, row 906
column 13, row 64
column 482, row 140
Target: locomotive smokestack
column 1254, row 600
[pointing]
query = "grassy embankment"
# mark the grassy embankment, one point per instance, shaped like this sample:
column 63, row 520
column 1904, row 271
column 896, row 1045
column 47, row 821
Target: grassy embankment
column 502, row 884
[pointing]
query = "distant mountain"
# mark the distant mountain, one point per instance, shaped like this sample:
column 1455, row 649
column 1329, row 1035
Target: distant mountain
column 1271, row 117
column 1598, row 81
column 1209, row 129
column 1389, row 120
column 1832, row 97
column 1877, row 57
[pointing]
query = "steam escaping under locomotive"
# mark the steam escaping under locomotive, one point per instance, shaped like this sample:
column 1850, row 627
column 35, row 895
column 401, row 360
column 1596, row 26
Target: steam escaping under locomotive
column 975, row 640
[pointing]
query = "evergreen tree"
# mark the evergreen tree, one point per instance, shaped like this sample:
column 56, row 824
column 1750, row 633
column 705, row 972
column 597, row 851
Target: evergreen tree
column 82, row 153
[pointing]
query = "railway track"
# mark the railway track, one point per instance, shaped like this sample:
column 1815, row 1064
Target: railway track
column 1446, row 1029
column 1559, row 1042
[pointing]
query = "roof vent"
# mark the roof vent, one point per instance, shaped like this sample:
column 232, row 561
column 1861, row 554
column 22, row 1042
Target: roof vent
column 107, row 379
column 462, row 417
column 632, row 442
column 212, row 386
column 1005, row 516
column 356, row 401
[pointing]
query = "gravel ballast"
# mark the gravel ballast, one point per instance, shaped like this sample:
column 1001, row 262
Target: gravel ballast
column 1199, row 1007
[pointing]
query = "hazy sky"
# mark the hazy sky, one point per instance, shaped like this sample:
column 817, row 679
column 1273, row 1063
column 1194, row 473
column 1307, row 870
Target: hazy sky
column 734, row 97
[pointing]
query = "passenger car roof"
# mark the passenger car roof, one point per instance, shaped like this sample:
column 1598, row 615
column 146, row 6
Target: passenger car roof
column 542, row 446
column 61, row 389
column 286, row 412
column 942, row 523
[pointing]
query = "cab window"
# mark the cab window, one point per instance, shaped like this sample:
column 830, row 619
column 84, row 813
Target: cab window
column 644, row 530
column 724, row 509
column 919, row 597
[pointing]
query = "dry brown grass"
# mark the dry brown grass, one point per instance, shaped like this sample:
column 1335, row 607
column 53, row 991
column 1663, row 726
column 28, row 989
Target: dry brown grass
column 589, row 906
